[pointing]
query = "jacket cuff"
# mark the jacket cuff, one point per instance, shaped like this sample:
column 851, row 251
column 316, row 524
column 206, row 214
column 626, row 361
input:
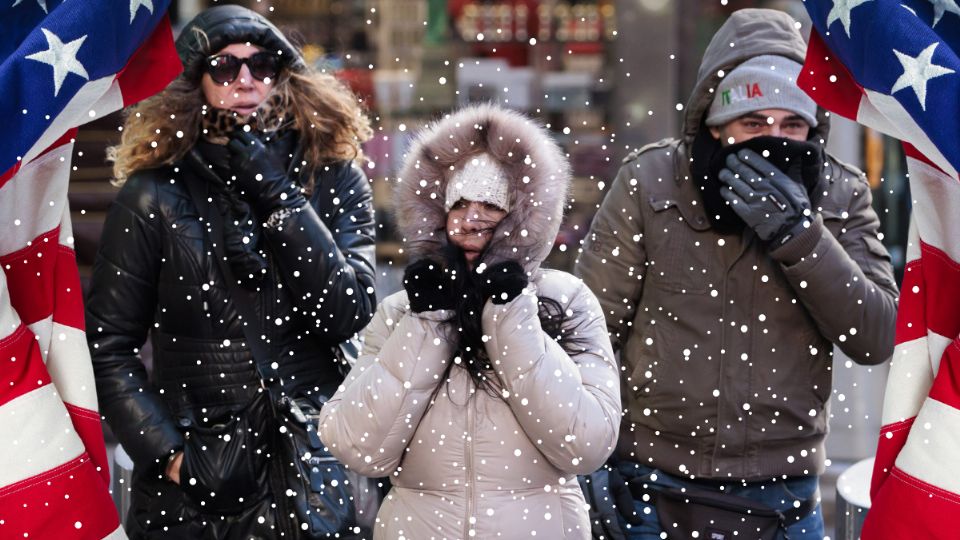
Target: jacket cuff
column 274, row 217
column 154, row 454
column 800, row 245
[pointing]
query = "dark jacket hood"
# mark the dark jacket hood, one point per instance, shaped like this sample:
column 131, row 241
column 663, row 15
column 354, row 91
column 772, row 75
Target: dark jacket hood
column 538, row 172
column 746, row 34
column 219, row 26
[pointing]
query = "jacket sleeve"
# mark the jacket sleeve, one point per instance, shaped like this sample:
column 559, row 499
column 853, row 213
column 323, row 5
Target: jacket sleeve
column 120, row 309
column 613, row 261
column 846, row 282
column 331, row 269
column 568, row 406
column 370, row 420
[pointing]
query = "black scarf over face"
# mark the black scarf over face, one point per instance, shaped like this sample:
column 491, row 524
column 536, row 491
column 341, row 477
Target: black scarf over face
column 802, row 161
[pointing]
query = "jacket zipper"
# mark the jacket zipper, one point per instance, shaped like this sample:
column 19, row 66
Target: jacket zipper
column 468, row 458
column 286, row 523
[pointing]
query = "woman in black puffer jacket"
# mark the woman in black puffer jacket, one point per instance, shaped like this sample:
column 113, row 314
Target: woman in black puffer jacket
column 248, row 157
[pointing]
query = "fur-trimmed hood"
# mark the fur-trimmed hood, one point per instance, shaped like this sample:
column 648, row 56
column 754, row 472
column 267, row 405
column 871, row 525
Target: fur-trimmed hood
column 538, row 175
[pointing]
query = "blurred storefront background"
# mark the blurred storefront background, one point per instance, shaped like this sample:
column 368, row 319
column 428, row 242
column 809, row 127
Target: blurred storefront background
column 607, row 76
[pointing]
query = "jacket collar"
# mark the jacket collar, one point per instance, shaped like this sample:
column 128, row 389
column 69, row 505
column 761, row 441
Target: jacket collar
column 685, row 195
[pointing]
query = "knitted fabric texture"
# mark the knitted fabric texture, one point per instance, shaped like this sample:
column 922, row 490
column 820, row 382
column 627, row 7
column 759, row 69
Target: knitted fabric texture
column 479, row 179
column 763, row 82
column 216, row 125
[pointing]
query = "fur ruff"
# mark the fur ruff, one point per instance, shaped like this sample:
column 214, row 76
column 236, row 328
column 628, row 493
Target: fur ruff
column 537, row 170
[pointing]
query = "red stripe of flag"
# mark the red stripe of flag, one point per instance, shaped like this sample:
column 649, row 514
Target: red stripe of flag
column 940, row 291
column 946, row 385
column 30, row 277
column 87, row 424
column 920, row 311
column 23, row 369
column 911, row 323
column 909, row 508
column 912, row 152
column 69, row 501
column 152, row 66
column 68, row 296
column 892, row 438
column 841, row 95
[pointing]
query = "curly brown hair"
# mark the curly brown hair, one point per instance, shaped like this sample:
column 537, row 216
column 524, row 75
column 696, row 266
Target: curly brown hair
column 162, row 129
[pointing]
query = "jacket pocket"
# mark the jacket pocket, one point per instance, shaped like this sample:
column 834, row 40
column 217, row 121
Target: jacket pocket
column 876, row 263
column 658, row 397
column 218, row 473
column 672, row 241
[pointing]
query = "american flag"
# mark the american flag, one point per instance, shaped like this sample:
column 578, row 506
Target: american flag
column 62, row 63
column 892, row 65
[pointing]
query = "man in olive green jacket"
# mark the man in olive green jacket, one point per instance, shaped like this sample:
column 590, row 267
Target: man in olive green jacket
column 726, row 278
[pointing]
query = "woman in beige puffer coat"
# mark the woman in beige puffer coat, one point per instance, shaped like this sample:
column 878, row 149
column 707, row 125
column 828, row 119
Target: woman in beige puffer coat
column 488, row 384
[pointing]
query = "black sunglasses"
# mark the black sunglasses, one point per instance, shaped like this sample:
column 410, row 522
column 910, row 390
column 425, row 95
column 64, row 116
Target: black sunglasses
column 224, row 68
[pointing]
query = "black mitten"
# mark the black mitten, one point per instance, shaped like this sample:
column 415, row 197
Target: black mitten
column 503, row 282
column 429, row 286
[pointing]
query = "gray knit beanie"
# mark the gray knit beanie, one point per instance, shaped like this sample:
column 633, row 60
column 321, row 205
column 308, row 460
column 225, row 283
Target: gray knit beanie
column 763, row 82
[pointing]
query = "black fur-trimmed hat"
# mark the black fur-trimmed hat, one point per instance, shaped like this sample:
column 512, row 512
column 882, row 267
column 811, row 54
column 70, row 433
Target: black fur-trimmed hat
column 219, row 26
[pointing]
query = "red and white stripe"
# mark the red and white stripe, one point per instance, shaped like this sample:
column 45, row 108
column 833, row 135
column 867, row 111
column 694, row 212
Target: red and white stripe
column 54, row 478
column 916, row 480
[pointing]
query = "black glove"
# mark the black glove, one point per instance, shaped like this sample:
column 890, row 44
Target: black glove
column 249, row 158
column 503, row 281
column 429, row 286
column 240, row 242
column 774, row 205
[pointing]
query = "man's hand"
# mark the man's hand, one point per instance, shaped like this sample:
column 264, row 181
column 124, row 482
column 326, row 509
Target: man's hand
column 771, row 203
column 262, row 181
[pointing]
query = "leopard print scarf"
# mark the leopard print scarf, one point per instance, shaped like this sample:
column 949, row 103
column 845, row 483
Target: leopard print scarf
column 216, row 125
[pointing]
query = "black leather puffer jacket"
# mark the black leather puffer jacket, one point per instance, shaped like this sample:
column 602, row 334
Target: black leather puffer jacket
column 155, row 273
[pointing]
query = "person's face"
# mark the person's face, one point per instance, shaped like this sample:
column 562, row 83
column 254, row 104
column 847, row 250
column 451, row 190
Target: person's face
column 773, row 122
column 245, row 93
column 470, row 226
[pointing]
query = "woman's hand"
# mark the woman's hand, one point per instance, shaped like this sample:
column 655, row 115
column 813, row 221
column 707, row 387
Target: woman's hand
column 262, row 181
column 429, row 286
column 173, row 467
column 503, row 281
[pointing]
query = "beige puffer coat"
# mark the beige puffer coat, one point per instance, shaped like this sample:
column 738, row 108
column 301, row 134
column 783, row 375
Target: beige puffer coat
column 464, row 463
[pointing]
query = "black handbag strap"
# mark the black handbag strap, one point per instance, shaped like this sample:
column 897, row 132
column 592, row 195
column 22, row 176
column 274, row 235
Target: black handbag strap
column 244, row 300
